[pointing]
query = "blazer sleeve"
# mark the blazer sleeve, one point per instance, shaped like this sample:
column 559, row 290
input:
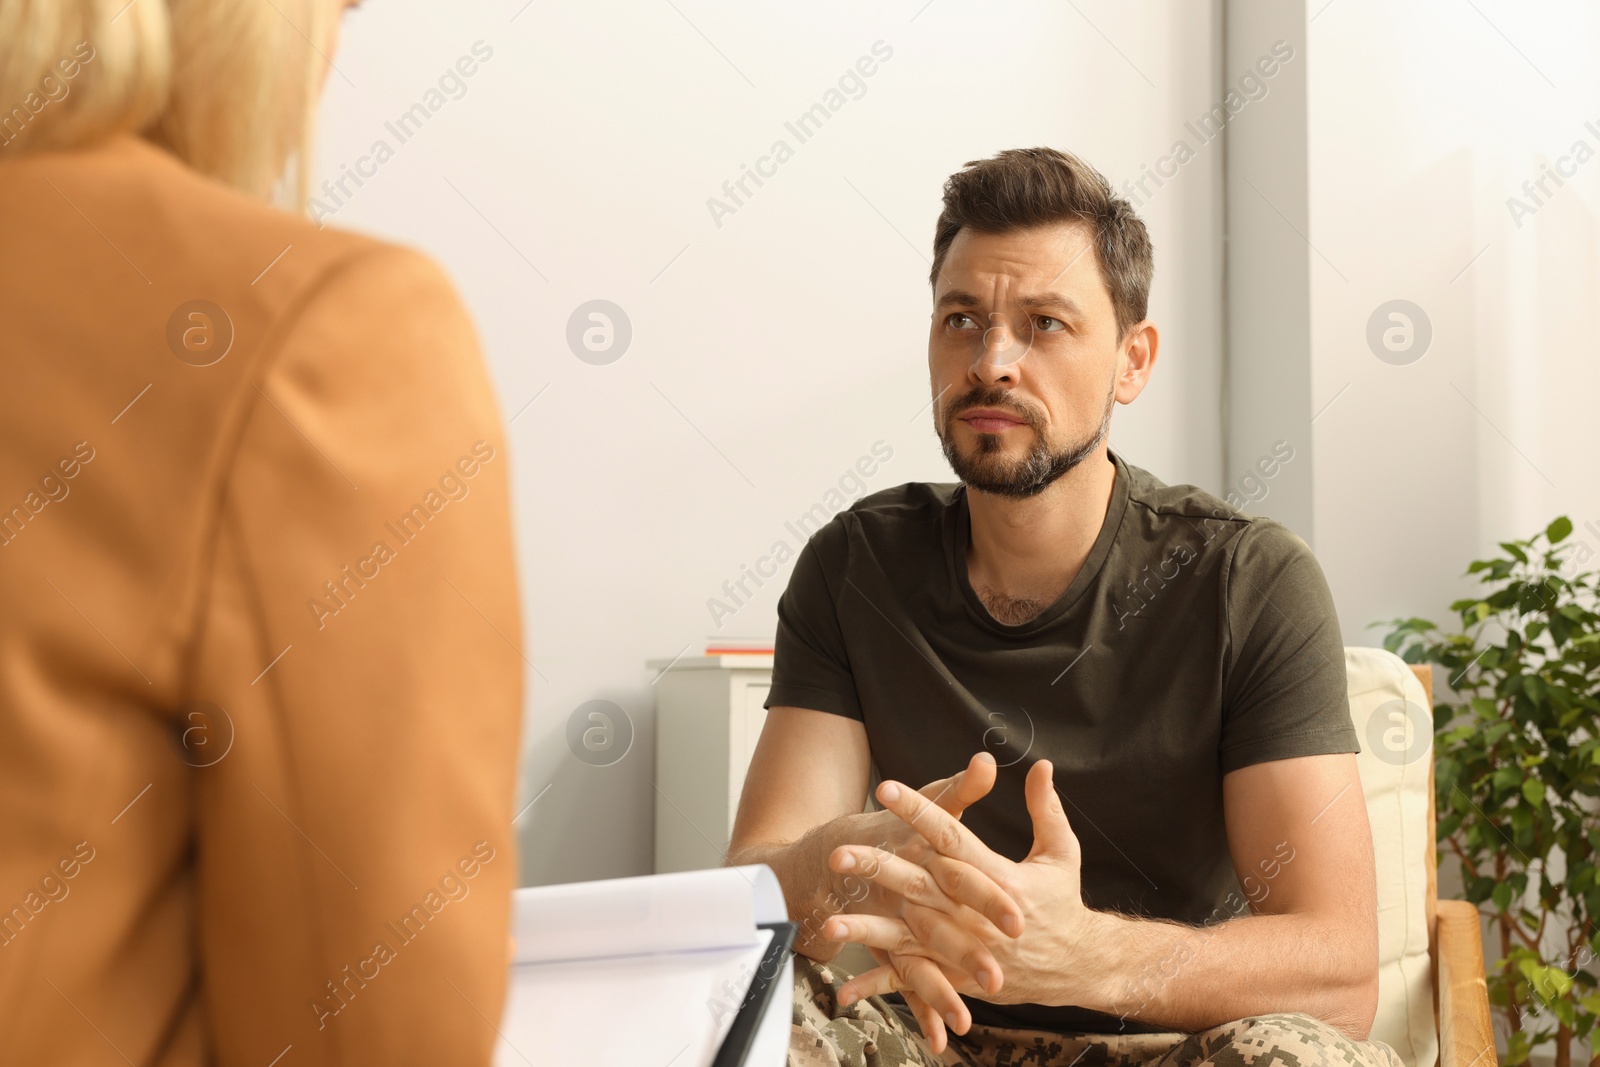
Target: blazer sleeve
column 359, row 646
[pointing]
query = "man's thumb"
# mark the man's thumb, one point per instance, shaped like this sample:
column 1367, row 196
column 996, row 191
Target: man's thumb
column 1052, row 833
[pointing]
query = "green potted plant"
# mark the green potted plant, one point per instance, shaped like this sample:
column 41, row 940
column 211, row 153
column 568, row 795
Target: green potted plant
column 1517, row 777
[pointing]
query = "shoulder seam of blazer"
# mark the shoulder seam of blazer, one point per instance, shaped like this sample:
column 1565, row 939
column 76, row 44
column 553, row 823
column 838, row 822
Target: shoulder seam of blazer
column 190, row 611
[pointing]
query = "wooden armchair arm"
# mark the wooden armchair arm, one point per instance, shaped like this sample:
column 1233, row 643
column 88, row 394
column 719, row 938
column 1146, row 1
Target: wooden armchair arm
column 1455, row 943
column 1466, row 1036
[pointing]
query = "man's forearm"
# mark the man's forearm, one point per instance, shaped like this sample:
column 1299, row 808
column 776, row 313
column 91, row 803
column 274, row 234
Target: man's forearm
column 813, row 891
column 1192, row 978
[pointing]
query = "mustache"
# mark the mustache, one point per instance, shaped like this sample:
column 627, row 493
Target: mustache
column 987, row 397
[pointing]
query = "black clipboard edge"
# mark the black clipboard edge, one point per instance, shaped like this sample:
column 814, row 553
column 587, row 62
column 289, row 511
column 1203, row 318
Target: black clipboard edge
column 736, row 1046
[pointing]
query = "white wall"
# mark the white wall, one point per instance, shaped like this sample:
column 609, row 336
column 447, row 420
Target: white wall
column 1267, row 339
column 1424, row 119
column 1424, row 122
column 770, row 353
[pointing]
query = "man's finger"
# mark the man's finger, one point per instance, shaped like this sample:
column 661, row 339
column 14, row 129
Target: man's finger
column 1052, row 833
column 878, row 982
column 928, row 1019
column 963, row 957
column 916, row 974
column 888, row 871
column 960, row 791
column 924, row 933
column 914, row 882
column 883, row 980
column 874, row 931
column 940, row 829
column 927, row 979
column 966, row 884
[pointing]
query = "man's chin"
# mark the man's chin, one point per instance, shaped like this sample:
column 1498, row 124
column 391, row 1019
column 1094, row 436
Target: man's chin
column 1010, row 471
column 995, row 473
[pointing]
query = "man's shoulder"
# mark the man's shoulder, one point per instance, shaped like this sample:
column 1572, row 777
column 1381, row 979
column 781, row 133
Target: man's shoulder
column 1181, row 500
column 908, row 502
column 899, row 518
column 1253, row 540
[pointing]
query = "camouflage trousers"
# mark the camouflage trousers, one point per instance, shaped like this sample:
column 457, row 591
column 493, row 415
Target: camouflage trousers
column 875, row 1033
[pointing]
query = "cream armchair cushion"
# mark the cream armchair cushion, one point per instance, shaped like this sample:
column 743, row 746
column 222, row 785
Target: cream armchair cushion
column 1390, row 712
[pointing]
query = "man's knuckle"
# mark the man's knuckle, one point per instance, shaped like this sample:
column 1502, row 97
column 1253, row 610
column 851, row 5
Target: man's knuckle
column 954, row 877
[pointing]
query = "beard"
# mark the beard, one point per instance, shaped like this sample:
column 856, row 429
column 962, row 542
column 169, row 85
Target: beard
column 986, row 468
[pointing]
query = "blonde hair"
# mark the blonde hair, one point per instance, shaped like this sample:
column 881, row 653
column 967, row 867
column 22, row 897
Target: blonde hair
column 228, row 86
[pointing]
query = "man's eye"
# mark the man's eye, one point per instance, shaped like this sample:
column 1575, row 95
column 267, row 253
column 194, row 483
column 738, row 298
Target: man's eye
column 1048, row 324
column 961, row 321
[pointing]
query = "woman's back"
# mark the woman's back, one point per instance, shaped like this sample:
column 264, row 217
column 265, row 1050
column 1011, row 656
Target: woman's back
column 259, row 678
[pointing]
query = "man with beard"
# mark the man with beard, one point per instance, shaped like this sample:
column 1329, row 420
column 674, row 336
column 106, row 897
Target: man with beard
column 1143, row 837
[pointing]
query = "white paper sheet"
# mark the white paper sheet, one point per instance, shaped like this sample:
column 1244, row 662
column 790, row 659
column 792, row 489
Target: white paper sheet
column 656, row 967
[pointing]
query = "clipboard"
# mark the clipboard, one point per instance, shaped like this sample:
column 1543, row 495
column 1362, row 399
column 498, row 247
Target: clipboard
column 692, row 968
column 764, row 989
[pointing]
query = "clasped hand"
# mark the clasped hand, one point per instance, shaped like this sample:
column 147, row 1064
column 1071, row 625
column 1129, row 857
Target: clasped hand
column 946, row 915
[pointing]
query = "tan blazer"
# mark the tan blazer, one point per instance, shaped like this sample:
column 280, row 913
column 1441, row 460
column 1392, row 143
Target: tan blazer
column 259, row 672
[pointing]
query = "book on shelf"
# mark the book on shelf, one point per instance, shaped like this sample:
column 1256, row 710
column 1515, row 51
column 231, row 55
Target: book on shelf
column 738, row 646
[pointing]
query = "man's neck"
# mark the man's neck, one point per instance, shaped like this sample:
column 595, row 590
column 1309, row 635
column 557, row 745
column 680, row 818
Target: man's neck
column 1024, row 554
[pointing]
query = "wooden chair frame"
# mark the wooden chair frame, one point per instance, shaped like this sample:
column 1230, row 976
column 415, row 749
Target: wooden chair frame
column 1455, row 945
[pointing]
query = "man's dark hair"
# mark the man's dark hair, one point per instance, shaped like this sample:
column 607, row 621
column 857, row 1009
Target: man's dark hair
column 1025, row 187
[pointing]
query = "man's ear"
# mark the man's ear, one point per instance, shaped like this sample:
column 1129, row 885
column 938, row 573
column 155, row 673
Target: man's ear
column 1136, row 360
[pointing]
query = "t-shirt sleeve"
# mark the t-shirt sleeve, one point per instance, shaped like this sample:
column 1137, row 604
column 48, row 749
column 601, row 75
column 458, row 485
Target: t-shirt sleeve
column 1285, row 691
column 811, row 668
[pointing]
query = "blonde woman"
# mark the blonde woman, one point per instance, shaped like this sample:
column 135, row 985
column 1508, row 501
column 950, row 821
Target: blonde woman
column 259, row 678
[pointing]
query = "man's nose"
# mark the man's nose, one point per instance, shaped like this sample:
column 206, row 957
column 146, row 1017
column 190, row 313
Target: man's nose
column 999, row 352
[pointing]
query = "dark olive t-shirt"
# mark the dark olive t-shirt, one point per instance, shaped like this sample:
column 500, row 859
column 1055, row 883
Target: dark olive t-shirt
column 1195, row 640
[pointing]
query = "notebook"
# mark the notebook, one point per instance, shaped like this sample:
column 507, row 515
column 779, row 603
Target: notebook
column 690, row 969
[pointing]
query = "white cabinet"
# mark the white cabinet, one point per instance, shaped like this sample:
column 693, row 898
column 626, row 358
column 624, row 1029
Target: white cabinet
column 709, row 715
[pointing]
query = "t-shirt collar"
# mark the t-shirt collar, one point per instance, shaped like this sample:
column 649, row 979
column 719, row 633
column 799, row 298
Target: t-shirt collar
column 962, row 520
